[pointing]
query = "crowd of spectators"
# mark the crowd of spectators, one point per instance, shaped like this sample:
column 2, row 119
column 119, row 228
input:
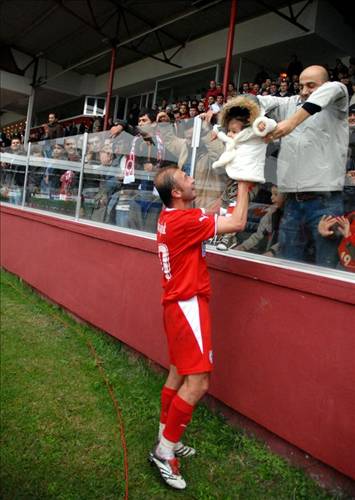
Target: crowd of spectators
column 264, row 83
column 120, row 165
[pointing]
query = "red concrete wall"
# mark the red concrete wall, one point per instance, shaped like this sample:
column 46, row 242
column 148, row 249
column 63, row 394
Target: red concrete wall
column 284, row 341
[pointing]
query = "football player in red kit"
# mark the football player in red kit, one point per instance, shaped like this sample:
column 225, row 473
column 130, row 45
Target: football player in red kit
column 181, row 233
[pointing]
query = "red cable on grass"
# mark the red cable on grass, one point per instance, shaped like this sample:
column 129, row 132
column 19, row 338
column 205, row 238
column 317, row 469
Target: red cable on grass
column 98, row 364
column 118, row 413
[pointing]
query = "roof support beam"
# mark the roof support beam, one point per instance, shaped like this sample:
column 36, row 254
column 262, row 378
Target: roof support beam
column 145, row 21
column 291, row 19
column 134, row 38
column 94, row 26
column 140, row 52
column 32, row 26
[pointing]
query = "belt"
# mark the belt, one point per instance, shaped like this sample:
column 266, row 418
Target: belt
column 310, row 195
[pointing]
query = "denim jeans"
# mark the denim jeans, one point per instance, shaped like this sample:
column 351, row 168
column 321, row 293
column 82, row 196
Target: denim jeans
column 145, row 211
column 122, row 218
column 15, row 196
column 299, row 225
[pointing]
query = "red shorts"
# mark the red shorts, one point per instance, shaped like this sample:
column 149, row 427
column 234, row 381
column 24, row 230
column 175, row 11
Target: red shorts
column 188, row 328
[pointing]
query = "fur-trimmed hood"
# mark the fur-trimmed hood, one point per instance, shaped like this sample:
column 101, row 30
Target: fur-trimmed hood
column 247, row 101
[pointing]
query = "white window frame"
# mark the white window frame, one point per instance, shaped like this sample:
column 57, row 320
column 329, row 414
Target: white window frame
column 95, row 112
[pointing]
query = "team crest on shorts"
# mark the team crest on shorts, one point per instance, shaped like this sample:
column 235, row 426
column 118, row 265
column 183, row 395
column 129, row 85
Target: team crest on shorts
column 210, row 357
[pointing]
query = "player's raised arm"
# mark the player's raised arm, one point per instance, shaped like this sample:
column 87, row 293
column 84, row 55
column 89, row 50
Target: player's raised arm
column 238, row 219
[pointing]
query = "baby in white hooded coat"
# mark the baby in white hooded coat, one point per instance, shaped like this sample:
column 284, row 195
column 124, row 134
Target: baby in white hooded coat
column 245, row 149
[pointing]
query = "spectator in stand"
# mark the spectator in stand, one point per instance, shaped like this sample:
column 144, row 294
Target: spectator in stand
column 163, row 116
column 341, row 230
column 345, row 80
column 295, row 88
column 138, row 206
column 244, row 89
column 212, row 91
column 349, row 188
column 163, row 105
column 82, row 128
column 50, row 179
column 340, row 69
column 184, row 112
column 4, row 141
column 73, row 130
column 219, row 88
column 93, row 149
column 295, row 67
column 218, row 105
column 291, row 86
column 256, row 89
column 201, row 107
column 193, row 112
column 312, row 160
column 265, row 238
column 209, row 184
column 266, row 84
column 211, row 100
column 108, row 185
column 177, row 115
column 283, row 92
column 352, row 100
column 97, row 125
column 231, row 91
column 70, row 148
column 53, row 129
column 13, row 175
column 273, row 89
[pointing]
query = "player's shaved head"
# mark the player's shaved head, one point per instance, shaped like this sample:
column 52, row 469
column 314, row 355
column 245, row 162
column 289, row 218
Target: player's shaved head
column 165, row 182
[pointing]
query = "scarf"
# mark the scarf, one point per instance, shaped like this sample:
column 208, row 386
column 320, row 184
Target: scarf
column 129, row 175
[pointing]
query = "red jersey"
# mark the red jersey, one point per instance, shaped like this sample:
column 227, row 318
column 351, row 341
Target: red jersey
column 346, row 248
column 181, row 235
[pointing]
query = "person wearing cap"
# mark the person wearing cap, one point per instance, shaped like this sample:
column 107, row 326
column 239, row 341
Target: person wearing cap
column 314, row 132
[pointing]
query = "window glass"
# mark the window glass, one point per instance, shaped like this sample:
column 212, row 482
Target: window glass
column 302, row 199
column 302, row 193
column 12, row 173
column 118, row 186
column 89, row 108
column 100, row 106
column 53, row 175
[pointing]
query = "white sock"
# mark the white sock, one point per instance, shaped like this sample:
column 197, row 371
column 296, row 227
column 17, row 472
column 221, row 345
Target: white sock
column 161, row 430
column 160, row 434
column 165, row 448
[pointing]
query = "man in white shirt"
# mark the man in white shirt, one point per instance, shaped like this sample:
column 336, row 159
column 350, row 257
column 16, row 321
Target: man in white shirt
column 314, row 134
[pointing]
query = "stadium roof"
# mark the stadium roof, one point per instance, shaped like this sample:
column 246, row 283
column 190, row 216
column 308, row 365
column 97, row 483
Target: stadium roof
column 72, row 32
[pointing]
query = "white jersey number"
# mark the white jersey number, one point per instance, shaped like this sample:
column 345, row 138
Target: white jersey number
column 164, row 260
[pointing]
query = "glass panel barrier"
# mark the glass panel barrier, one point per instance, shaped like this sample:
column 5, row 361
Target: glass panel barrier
column 119, row 171
column 12, row 175
column 289, row 217
column 53, row 175
column 115, row 174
